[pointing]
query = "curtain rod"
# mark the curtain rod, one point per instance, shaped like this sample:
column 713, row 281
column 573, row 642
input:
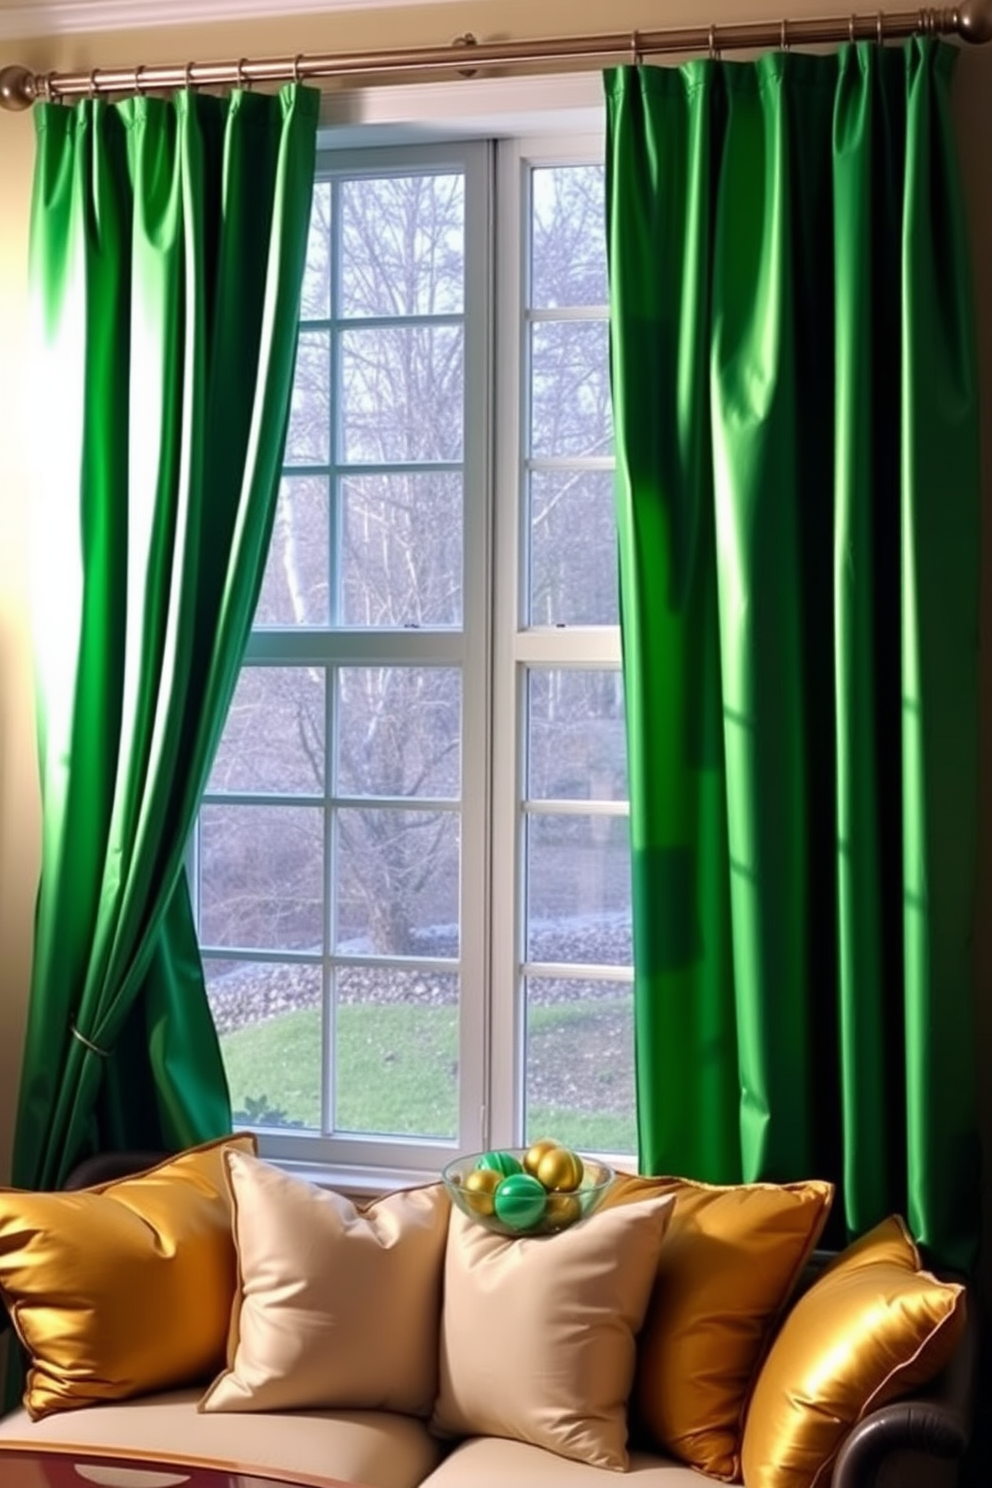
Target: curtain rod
column 972, row 21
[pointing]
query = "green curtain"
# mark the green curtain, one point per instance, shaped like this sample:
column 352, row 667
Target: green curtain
column 794, row 380
column 168, row 243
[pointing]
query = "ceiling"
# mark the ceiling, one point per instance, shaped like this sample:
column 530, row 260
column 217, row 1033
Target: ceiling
column 20, row 18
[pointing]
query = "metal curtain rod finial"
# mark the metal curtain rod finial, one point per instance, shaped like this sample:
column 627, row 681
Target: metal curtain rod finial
column 971, row 20
column 18, row 88
column 974, row 20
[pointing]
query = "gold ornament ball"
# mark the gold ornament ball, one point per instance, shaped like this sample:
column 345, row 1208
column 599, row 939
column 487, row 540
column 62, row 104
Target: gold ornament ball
column 560, row 1170
column 537, row 1150
column 479, row 1187
column 563, row 1209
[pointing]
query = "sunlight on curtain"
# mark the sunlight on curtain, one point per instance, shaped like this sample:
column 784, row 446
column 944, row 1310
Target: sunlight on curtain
column 795, row 389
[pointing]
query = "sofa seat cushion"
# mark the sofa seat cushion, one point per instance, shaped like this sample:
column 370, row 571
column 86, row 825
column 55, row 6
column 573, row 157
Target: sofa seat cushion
column 375, row 1448
column 496, row 1462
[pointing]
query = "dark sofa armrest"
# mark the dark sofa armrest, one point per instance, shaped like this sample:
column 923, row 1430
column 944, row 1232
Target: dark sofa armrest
column 935, row 1424
column 106, row 1167
column 925, row 1427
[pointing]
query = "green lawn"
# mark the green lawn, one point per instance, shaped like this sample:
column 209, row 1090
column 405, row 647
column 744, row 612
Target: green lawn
column 397, row 1073
column 396, row 1069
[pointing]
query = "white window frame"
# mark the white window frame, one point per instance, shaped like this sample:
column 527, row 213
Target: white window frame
column 494, row 645
column 519, row 646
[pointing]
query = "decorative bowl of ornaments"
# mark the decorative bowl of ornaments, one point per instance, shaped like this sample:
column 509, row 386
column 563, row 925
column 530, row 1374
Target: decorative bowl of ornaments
column 536, row 1190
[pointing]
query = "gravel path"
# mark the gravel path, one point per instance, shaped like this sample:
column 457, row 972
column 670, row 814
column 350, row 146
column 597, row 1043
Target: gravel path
column 253, row 992
column 588, row 1065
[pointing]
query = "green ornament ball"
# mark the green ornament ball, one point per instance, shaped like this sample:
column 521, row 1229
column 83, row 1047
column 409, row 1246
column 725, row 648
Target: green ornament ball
column 520, row 1201
column 500, row 1162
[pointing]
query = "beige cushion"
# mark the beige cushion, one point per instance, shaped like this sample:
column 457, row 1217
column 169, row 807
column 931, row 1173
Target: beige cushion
column 538, row 1334
column 376, row 1449
column 493, row 1462
column 338, row 1307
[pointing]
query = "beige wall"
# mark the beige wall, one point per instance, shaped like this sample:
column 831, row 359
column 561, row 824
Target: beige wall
column 414, row 26
column 18, row 791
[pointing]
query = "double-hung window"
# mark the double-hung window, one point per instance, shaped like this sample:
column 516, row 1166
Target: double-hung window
column 411, row 863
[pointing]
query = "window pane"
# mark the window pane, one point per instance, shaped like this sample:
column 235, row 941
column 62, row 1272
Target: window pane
column 315, row 302
column 401, row 553
column 399, row 731
column 568, row 244
column 273, row 739
column 261, row 877
column 580, row 1064
column 403, row 245
column 576, row 739
column 571, row 412
column 295, row 587
column 402, row 394
column 578, row 889
column 267, row 1014
column 396, row 879
column 396, row 1052
column 573, row 548
column 309, row 439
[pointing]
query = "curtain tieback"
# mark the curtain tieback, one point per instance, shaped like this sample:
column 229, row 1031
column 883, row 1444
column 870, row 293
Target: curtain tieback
column 88, row 1044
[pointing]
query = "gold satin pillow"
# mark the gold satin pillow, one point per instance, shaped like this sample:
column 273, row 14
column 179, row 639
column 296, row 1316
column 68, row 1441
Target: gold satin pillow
column 125, row 1287
column 338, row 1307
column 872, row 1327
column 538, row 1333
column 732, row 1256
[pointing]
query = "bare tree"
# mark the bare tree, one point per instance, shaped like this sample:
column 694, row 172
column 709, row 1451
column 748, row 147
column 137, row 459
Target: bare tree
column 369, row 533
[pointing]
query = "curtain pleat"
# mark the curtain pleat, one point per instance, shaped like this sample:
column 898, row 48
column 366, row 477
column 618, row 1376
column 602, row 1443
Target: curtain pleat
column 795, row 393
column 168, row 243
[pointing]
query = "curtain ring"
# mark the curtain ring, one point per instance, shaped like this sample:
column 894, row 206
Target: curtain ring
column 136, row 84
column 188, row 77
column 296, row 68
column 714, row 49
column 635, row 50
column 93, row 85
column 850, row 28
column 88, row 1044
column 879, row 28
column 784, row 35
column 243, row 82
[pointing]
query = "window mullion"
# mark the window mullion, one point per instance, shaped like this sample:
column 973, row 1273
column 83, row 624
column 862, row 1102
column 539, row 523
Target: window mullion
column 509, row 441
column 477, row 742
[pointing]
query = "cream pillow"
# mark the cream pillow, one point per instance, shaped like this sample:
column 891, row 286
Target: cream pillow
column 538, row 1334
column 337, row 1306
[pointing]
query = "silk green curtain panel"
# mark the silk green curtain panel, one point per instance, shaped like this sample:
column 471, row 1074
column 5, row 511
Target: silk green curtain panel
column 168, row 242
column 795, row 391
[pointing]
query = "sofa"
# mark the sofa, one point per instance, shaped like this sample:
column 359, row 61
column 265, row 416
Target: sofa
column 208, row 1307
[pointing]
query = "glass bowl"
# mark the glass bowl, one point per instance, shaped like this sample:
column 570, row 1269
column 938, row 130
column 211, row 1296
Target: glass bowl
column 560, row 1211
